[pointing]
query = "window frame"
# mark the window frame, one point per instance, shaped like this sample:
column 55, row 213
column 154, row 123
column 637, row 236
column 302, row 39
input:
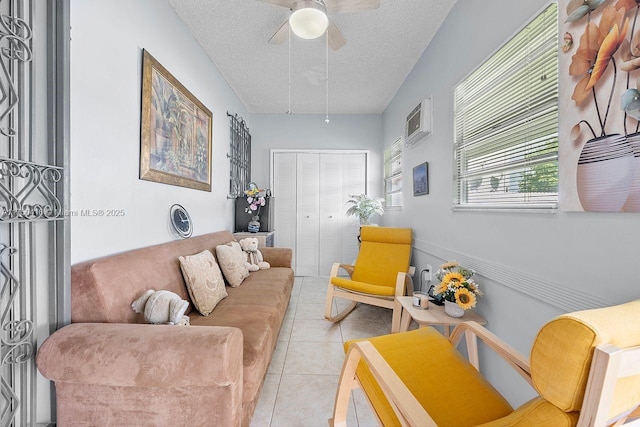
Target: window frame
column 460, row 201
column 396, row 145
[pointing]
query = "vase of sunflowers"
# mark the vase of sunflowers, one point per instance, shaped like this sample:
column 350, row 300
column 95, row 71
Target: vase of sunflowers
column 457, row 288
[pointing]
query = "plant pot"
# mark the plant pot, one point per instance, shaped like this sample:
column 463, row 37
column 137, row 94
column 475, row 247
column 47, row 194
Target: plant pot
column 605, row 173
column 453, row 309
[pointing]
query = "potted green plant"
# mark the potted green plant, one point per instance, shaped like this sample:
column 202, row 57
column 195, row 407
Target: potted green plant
column 364, row 207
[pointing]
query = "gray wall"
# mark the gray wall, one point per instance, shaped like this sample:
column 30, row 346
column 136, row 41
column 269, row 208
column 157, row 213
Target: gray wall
column 532, row 266
column 106, row 68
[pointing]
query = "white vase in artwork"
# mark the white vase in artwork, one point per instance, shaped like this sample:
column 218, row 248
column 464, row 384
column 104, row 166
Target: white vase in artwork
column 633, row 201
column 605, row 173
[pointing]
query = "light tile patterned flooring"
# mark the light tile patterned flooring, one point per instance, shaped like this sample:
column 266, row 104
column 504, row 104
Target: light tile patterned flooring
column 301, row 383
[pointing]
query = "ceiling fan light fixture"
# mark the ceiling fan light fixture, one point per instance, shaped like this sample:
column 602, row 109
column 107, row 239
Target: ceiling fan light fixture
column 309, row 19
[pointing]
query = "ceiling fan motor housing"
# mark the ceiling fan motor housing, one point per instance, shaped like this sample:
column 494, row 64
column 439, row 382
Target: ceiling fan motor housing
column 309, row 18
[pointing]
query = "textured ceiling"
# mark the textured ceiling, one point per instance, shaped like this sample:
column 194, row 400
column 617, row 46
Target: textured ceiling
column 382, row 47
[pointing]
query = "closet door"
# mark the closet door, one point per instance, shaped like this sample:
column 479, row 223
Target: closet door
column 310, row 191
column 354, row 177
column 353, row 182
column 307, row 224
column 284, row 191
column 331, row 212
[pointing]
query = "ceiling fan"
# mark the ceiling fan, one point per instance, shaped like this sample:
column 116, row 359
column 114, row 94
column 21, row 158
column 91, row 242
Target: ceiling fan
column 309, row 18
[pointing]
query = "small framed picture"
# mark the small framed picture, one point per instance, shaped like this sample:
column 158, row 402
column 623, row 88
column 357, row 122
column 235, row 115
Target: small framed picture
column 421, row 179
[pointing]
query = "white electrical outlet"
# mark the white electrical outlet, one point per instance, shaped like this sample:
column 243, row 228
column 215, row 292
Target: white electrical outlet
column 426, row 274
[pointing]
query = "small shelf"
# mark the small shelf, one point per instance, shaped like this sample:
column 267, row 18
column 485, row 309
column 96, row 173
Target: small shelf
column 265, row 238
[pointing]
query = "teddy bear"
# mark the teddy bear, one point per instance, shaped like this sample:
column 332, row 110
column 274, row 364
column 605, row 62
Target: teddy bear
column 255, row 260
column 162, row 307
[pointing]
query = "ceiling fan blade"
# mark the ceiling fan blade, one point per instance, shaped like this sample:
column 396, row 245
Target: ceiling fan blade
column 336, row 39
column 284, row 3
column 281, row 35
column 350, row 6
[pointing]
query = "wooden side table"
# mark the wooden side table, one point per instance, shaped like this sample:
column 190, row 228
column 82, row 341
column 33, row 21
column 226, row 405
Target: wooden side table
column 435, row 316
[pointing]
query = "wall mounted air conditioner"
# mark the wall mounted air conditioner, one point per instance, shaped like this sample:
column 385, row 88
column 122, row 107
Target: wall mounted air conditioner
column 419, row 122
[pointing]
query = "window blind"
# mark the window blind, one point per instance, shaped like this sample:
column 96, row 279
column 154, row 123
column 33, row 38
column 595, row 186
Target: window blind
column 393, row 174
column 506, row 124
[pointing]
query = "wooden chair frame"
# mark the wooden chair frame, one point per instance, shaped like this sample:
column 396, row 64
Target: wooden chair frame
column 404, row 286
column 609, row 364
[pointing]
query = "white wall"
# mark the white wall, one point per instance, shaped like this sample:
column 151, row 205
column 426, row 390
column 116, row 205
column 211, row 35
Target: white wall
column 106, row 68
column 587, row 258
column 309, row 131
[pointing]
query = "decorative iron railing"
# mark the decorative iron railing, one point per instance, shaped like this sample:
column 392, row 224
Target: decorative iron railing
column 15, row 40
column 239, row 156
column 16, row 337
column 28, row 191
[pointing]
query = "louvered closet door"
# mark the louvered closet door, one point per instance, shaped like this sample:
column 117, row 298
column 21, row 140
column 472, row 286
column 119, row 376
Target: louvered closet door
column 284, row 191
column 310, row 191
column 341, row 175
column 331, row 212
column 354, row 177
column 307, row 224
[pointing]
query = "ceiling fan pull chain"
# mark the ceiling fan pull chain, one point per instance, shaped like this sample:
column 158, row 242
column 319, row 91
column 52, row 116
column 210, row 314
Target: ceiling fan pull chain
column 289, row 110
column 326, row 120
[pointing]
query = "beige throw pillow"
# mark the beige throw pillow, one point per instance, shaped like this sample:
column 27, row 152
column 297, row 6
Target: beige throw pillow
column 204, row 281
column 233, row 263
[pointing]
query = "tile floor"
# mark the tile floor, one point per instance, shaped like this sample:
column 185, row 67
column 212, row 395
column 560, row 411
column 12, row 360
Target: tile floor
column 300, row 385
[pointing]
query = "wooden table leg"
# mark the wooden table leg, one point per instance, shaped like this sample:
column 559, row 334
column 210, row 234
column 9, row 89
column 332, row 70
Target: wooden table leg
column 446, row 330
column 405, row 320
column 472, row 348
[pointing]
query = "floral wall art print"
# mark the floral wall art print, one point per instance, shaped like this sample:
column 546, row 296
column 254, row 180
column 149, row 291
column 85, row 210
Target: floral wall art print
column 599, row 105
column 175, row 142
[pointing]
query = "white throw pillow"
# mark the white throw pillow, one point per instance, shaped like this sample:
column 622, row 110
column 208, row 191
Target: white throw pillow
column 204, row 281
column 232, row 261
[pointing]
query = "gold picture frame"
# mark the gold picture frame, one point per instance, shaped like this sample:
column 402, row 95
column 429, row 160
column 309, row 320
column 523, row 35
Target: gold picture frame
column 175, row 140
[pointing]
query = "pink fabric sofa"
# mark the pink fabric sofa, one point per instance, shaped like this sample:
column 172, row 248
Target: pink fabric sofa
column 111, row 369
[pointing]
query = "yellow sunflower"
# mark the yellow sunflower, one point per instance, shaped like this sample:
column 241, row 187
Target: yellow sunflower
column 454, row 278
column 440, row 288
column 474, row 288
column 465, row 298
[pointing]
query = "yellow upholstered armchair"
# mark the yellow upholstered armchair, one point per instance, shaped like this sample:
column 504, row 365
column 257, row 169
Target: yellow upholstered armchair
column 585, row 367
column 380, row 274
